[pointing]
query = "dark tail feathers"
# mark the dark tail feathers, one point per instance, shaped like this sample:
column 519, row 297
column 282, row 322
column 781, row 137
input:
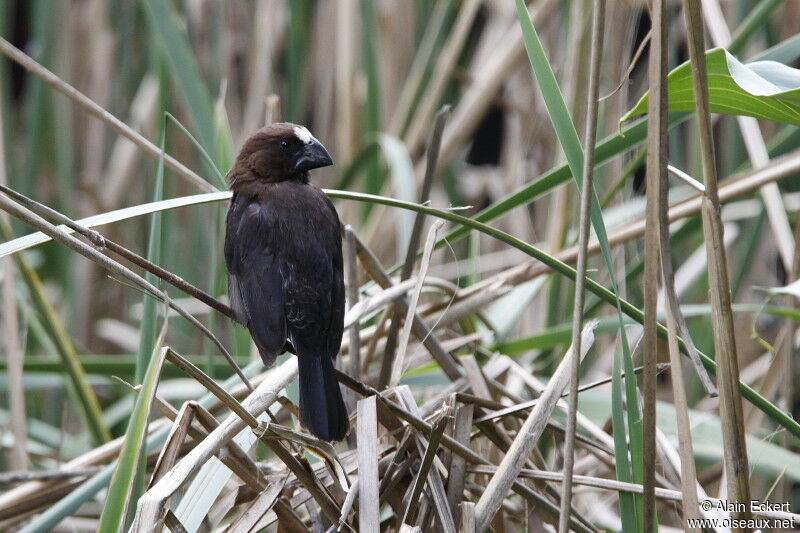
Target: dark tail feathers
column 322, row 409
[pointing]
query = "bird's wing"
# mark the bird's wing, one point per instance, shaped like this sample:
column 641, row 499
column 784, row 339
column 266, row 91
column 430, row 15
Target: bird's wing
column 337, row 293
column 255, row 284
column 313, row 282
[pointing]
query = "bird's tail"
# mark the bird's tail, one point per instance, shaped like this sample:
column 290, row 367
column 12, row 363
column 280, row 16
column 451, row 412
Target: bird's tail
column 322, row 409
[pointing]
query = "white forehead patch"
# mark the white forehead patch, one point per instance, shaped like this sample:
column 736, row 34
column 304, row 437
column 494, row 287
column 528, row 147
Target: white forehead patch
column 303, row 134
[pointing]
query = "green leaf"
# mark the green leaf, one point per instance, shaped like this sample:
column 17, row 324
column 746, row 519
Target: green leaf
column 147, row 333
column 183, row 69
column 121, row 487
column 34, row 239
column 220, row 178
column 762, row 89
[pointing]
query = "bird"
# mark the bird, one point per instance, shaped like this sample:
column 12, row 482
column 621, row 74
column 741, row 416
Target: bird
column 283, row 252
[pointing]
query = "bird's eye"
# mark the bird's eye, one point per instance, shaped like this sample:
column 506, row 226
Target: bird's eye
column 284, row 144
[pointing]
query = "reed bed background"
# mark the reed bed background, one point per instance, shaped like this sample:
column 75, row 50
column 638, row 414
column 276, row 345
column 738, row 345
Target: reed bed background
column 475, row 145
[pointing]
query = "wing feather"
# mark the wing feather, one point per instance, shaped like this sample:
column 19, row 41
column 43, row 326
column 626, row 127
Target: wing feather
column 255, row 284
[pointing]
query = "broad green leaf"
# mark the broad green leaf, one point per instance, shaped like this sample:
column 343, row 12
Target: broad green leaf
column 762, row 89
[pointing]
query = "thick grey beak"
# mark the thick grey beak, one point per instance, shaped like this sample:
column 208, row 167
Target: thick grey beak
column 314, row 155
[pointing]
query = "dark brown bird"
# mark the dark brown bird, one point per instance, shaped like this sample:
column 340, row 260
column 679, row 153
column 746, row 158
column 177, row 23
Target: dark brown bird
column 283, row 249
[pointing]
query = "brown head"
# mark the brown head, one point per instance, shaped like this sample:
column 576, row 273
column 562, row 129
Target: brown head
column 278, row 152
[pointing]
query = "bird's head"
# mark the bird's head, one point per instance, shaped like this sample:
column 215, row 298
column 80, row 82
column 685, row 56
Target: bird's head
column 278, row 152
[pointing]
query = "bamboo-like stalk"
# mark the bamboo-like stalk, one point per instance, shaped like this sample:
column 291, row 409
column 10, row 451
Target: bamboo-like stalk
column 733, row 430
column 14, row 356
column 688, row 472
column 590, row 124
column 402, row 347
column 657, row 153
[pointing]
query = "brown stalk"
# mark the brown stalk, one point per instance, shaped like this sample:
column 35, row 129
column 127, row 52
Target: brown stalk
column 732, row 420
column 657, row 153
column 424, row 469
column 102, row 242
column 457, row 468
column 596, row 55
column 755, row 146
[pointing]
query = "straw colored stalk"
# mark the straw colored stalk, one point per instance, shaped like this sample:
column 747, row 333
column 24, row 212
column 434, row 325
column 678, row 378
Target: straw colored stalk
column 732, row 420
column 14, row 357
column 688, row 474
column 390, row 352
column 397, row 366
column 528, row 435
column 368, row 496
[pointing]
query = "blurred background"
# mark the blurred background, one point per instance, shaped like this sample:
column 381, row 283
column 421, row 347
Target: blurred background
column 367, row 78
